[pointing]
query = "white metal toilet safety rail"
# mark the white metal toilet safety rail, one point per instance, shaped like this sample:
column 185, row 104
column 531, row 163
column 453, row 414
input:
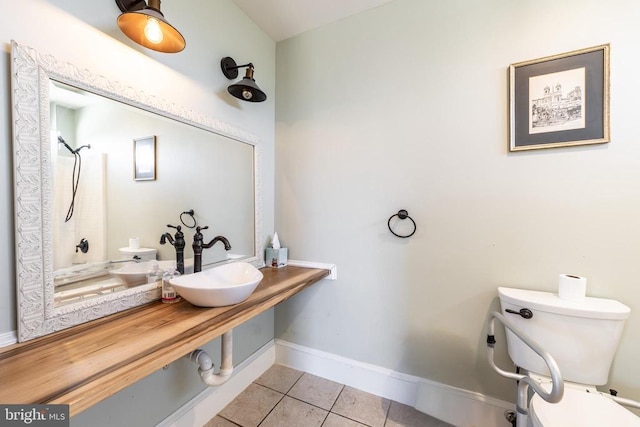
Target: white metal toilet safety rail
column 524, row 381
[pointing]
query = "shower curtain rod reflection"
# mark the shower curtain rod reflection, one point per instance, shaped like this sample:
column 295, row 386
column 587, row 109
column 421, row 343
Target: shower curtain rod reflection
column 75, row 177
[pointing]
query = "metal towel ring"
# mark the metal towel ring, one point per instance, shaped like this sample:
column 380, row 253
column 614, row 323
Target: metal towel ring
column 402, row 214
column 191, row 213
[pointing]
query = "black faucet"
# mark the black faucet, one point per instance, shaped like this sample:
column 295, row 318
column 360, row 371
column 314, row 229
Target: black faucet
column 199, row 246
column 178, row 243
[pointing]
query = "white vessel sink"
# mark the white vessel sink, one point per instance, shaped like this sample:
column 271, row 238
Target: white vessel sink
column 227, row 284
column 135, row 273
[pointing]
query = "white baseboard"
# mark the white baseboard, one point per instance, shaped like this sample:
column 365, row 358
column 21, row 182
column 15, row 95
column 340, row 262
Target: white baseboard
column 363, row 376
column 8, row 338
column 199, row 410
column 462, row 408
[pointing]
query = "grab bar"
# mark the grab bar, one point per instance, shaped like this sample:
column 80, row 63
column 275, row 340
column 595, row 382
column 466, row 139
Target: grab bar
column 524, row 381
column 622, row 401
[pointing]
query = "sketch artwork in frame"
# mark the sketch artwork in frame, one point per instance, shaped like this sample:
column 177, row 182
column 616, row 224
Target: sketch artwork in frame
column 144, row 158
column 560, row 100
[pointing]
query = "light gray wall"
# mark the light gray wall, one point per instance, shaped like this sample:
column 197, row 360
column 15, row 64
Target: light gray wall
column 405, row 107
column 85, row 34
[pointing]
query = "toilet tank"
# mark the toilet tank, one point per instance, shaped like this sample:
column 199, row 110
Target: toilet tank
column 582, row 337
column 145, row 254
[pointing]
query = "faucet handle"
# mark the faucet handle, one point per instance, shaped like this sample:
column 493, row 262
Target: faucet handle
column 179, row 234
column 198, row 233
column 197, row 236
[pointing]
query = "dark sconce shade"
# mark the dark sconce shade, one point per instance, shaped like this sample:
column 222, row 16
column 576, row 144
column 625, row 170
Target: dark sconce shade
column 146, row 25
column 246, row 89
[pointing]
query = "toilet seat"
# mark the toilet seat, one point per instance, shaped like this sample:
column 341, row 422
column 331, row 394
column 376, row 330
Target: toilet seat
column 580, row 408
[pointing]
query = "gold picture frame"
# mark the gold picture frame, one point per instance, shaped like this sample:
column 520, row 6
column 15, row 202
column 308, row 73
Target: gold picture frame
column 560, row 100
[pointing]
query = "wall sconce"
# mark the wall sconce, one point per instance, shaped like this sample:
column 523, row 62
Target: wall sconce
column 246, row 89
column 145, row 25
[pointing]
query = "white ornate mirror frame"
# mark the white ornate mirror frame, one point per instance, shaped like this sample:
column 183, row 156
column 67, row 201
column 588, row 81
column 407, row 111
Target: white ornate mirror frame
column 31, row 73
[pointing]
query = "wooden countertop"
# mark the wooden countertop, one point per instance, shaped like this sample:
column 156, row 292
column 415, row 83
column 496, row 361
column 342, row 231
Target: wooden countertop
column 85, row 364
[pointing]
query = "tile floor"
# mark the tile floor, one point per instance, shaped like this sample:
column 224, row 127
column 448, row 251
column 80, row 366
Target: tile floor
column 285, row 397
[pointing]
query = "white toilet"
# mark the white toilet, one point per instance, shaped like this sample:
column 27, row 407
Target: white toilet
column 582, row 337
column 143, row 254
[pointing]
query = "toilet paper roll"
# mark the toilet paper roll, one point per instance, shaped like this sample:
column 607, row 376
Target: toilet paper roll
column 134, row 243
column 572, row 287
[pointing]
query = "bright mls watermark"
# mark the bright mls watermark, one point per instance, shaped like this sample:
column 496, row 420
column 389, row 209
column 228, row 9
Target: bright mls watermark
column 34, row 415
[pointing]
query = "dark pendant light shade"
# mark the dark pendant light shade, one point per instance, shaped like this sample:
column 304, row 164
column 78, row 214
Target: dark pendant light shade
column 246, row 89
column 147, row 26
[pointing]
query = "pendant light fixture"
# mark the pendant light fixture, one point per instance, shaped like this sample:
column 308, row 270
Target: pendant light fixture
column 145, row 24
column 246, row 89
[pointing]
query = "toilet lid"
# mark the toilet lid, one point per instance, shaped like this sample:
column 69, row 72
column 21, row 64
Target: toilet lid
column 579, row 408
column 139, row 251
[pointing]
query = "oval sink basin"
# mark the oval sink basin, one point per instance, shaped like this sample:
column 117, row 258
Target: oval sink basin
column 227, row 284
column 135, row 273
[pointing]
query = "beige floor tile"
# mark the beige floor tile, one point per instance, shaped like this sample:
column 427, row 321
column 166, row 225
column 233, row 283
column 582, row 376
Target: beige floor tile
column 280, row 378
column 307, row 404
column 405, row 416
column 251, row 406
column 316, row 391
column 360, row 406
column 218, row 421
column 291, row 412
column 334, row 420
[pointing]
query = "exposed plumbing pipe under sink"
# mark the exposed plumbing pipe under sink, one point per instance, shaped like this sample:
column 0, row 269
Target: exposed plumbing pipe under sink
column 205, row 364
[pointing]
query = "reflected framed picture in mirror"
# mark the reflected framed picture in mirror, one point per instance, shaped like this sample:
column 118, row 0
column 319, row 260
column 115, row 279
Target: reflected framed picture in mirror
column 144, row 158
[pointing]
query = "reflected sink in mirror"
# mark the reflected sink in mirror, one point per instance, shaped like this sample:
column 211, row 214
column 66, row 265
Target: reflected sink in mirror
column 135, row 273
column 227, row 284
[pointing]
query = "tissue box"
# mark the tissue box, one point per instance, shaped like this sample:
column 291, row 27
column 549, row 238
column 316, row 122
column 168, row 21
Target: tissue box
column 276, row 257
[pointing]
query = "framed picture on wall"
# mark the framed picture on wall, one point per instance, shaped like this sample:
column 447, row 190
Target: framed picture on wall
column 560, row 100
column 144, row 158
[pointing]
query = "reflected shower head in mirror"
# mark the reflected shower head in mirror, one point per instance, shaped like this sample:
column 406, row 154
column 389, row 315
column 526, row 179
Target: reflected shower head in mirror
column 71, row 150
column 75, row 176
column 62, row 141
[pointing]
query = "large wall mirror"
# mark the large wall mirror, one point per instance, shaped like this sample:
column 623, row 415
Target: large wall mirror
column 100, row 170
